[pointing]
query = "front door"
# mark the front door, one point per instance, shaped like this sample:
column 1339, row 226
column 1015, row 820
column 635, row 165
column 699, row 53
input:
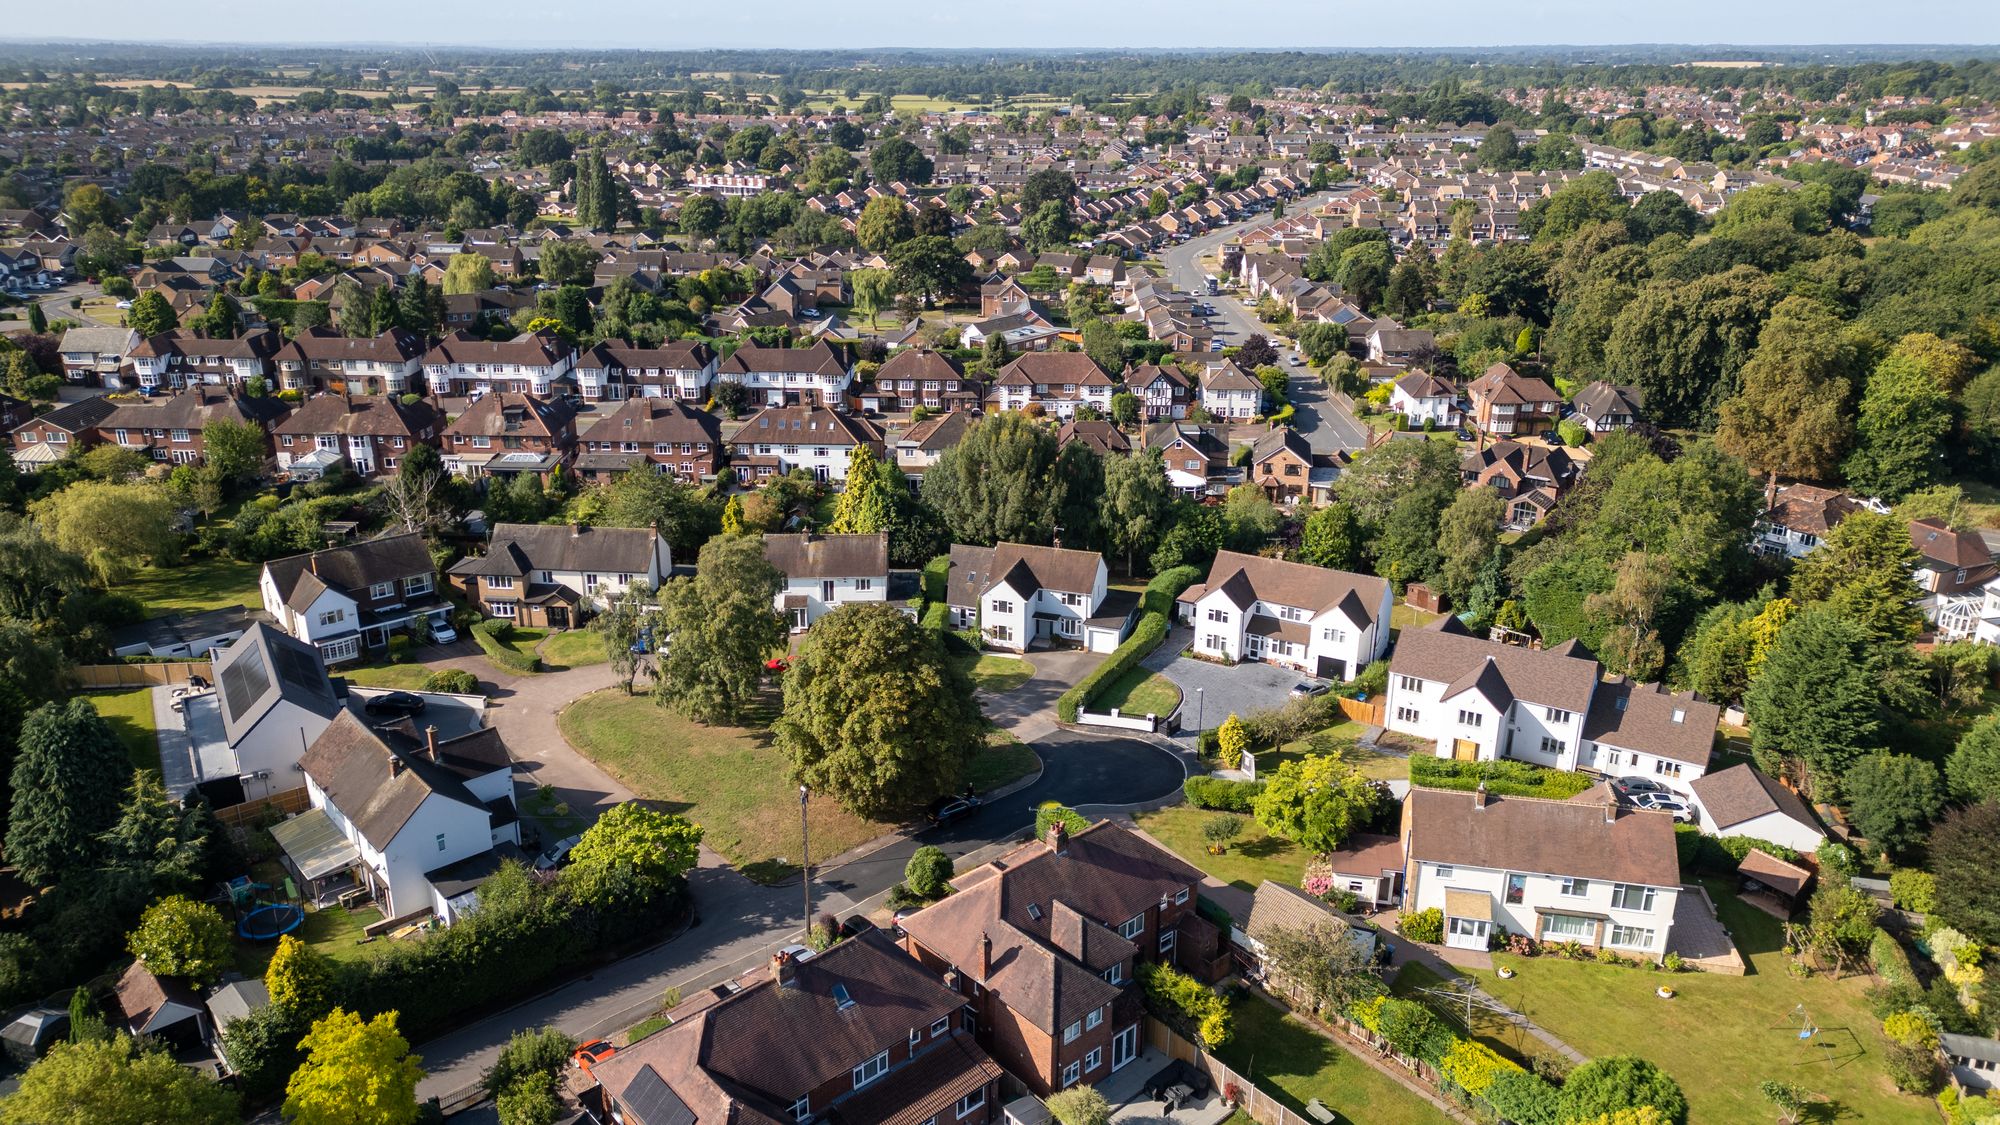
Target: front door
column 1464, row 750
column 558, row 617
column 1125, row 1046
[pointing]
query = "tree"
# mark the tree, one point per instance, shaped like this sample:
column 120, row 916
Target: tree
column 1613, row 1083
column 1818, row 733
column 420, row 309
column 1408, row 293
column 1791, row 1101
column 1138, row 504
column 1331, row 538
column 877, row 715
column 1683, row 343
column 160, row 840
column 1468, row 534
column 701, row 216
column 1046, row 227
column 1364, row 272
column 1125, row 408
column 416, row 495
column 1318, row 801
column 896, row 159
column 300, row 978
column 1957, row 673
column 1249, row 518
column 87, row 205
column 1964, row 853
column 1631, row 612
column 1863, row 573
column 1079, row 1105
column 874, row 290
column 1500, row 151
column 1905, row 416
column 622, row 625
column 115, row 1082
column 1103, row 344
column 721, row 627
column 528, row 1054
column 1050, row 185
column 1791, row 417
column 1256, row 352
column 467, row 272
column 356, row 1073
column 1322, row 964
column 217, row 322
column 866, row 505
column 883, row 223
column 928, row 872
column 992, row 487
column 68, row 772
column 631, row 854
column 685, row 514
column 1077, row 494
column 569, row 262
column 1893, row 799
column 1973, row 770
column 178, row 937
column 233, row 450
column 928, row 267
column 151, row 315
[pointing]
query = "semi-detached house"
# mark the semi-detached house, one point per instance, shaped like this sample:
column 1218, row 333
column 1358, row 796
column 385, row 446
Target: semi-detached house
column 814, row 376
column 323, row 359
column 554, row 575
column 1327, row 623
column 661, row 432
column 507, row 433
column 370, row 434
column 779, row 439
column 174, row 429
column 1058, row 382
column 678, row 369
column 534, row 364
column 182, row 358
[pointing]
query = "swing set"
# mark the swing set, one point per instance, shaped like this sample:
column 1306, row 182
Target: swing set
column 1820, row 1042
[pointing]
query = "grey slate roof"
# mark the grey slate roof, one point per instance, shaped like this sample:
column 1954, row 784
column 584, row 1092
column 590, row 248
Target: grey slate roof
column 263, row 667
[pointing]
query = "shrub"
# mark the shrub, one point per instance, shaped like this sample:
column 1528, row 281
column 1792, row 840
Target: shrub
column 928, row 871
column 527, row 1054
column 1913, row 890
column 1187, row 1005
column 1523, row 1098
column 1050, row 812
column 937, row 579
column 1231, row 740
column 1426, row 927
column 1221, row 794
column 1914, row 1070
column 1502, row 778
column 1080, row 1105
column 456, row 681
column 1221, row 828
column 1722, row 855
column 492, row 635
column 400, row 647
column 1572, row 432
column 1911, row 1029
column 1615, row 1082
column 1146, row 636
column 1473, row 1066
column 1414, row 1030
column 178, row 937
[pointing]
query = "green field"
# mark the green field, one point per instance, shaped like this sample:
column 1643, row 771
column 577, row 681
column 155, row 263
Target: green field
column 130, row 713
column 194, row 586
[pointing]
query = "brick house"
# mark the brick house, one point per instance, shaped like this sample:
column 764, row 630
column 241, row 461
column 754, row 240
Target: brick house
column 370, row 434
column 678, row 369
column 526, row 365
column 170, row 429
column 1508, row 404
column 1163, row 391
column 1190, row 454
column 553, row 576
column 508, row 433
column 1528, row 477
column 917, row 377
column 777, row 440
column 181, row 358
column 72, row 428
column 323, row 359
column 1281, row 464
column 662, row 431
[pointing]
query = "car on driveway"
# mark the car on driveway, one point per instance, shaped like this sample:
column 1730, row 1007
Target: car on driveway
column 557, row 856
column 1630, row 787
column 443, row 635
column 945, row 810
column 1666, row 803
column 590, row 1054
column 1306, row 689
column 396, row 703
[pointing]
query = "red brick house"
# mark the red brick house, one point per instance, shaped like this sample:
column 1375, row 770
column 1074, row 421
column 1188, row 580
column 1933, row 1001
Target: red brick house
column 506, row 433
column 41, row 442
column 170, row 429
column 1508, row 404
column 661, row 431
column 371, row 433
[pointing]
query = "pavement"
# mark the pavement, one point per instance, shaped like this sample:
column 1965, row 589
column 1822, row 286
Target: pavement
column 1243, row 688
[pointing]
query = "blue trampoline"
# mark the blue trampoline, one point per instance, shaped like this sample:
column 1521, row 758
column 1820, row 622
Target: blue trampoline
column 270, row 921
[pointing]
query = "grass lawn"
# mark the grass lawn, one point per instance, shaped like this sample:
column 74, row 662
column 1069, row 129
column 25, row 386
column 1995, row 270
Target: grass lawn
column 196, row 586
column 1371, row 763
column 1410, row 617
column 334, row 931
column 1139, row 692
column 402, row 677
column 1743, row 1028
column 523, row 641
column 1252, row 857
column 994, row 673
column 573, row 649
column 1982, row 501
column 130, row 713
column 1005, row 759
column 730, row 780
column 1296, row 1064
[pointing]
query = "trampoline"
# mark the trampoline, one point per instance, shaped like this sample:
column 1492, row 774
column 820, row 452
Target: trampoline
column 270, row 921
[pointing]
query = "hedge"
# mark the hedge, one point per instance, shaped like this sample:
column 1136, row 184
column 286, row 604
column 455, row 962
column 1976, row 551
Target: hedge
column 492, row 636
column 1156, row 607
column 937, row 577
column 1892, row 961
column 1222, row 794
column 1722, row 855
column 1502, row 778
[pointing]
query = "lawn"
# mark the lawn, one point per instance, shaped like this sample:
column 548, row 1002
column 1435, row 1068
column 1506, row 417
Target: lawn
column 1746, row 1028
column 1371, row 763
column 1139, row 692
column 1296, row 1064
column 1982, row 501
column 130, row 713
column 1252, row 857
column 402, row 677
column 1005, row 759
column 523, row 641
column 1410, row 617
column 993, row 673
column 731, row 780
column 193, row 587
column 576, row 648
column 333, row 930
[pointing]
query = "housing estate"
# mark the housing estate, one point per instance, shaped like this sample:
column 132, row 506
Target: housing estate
column 779, row 439
column 814, row 376
column 1327, row 623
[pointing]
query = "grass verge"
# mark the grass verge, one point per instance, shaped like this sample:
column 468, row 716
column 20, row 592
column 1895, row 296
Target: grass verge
column 995, row 674
column 1253, row 857
column 1139, row 692
column 1004, row 759
column 576, row 648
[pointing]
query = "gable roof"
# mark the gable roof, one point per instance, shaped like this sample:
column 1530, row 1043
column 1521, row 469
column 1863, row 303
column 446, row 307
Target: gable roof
column 367, row 416
column 1939, row 544
column 1043, row 368
column 806, row 425
column 1544, row 837
column 1502, row 384
column 1549, row 677
column 813, row 555
column 379, row 777
column 509, row 412
column 566, row 548
column 1246, row 579
column 354, row 566
column 264, row 667
column 1650, row 719
column 1743, row 792
column 1602, row 399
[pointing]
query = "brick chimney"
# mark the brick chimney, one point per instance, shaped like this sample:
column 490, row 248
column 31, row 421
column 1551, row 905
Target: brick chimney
column 1059, row 838
column 431, row 742
column 1611, row 808
column 1479, row 796
column 395, row 764
column 782, row 969
column 985, row 956
column 312, row 561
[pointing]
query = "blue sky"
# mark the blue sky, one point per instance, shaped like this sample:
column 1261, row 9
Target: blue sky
column 1018, row 23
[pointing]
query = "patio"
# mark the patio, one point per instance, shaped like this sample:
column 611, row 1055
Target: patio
column 1128, row 1092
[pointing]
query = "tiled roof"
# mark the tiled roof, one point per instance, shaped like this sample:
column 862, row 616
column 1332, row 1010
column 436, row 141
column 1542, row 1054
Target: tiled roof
column 1591, row 841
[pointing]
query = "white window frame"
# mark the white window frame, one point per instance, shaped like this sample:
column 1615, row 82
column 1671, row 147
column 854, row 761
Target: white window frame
column 969, row 1103
column 1093, row 1060
column 1093, row 1018
column 1622, row 895
column 871, row 1070
column 1132, row 927
column 1622, row 936
column 1573, row 887
column 1070, row 1074
column 1073, row 1032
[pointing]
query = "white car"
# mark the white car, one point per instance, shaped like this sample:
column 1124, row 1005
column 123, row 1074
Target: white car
column 124, row 304
column 442, row 634
column 1666, row 803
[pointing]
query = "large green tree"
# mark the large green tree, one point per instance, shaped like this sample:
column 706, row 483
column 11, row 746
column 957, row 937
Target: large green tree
column 1964, row 853
column 1815, row 734
column 720, row 628
column 1791, row 416
column 993, row 485
column 630, row 855
column 1863, row 572
column 1318, row 801
column 1893, row 799
column 1683, row 343
column 116, row 1082
column 151, row 315
column 67, row 779
column 1138, row 504
column 877, row 715
column 1906, row 413
column 357, row 1072
column 178, row 937
column 1468, row 534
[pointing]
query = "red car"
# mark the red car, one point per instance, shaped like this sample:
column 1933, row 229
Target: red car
column 777, row 664
column 592, row 1053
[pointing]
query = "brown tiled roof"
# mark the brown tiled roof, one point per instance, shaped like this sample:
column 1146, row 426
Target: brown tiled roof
column 813, row 555
column 655, row 419
column 1051, row 568
column 352, row 765
column 940, row 432
column 355, row 566
column 1229, row 377
column 1275, row 906
column 1422, row 384
column 1061, row 368
column 1443, row 654
column 195, row 408
column 1786, row 878
column 1245, row 579
column 920, row 363
column 571, row 548
column 142, row 998
column 368, row 416
column 1104, row 437
column 820, row 359
column 1539, row 836
column 927, row 1088
column 805, row 425
column 1936, row 541
column 1502, row 384
column 1810, row 509
column 540, row 349
column 1368, row 853
column 492, row 415
column 1601, row 399
column 674, row 355
column 1743, row 792
column 1652, row 720
column 395, row 345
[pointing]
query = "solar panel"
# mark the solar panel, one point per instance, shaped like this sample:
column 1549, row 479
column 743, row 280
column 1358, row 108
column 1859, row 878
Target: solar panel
column 649, row 1098
column 244, row 682
column 301, row 669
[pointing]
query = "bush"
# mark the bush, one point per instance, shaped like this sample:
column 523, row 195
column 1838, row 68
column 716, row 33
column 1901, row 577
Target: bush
column 1523, row 1098
column 937, row 579
column 1722, row 855
column 928, row 871
column 1231, row 740
column 1913, row 890
column 1080, row 1105
column 1914, row 1070
column 1425, row 927
column 1187, row 1005
column 1502, row 778
column 400, row 647
column 1572, row 431
column 1221, row 794
column 1050, row 812
column 1473, row 1067
column 454, row 681
column 1614, row 1082
column 526, row 1055
column 492, row 636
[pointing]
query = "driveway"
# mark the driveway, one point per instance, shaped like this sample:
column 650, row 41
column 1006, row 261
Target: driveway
column 1209, row 692
column 1028, row 712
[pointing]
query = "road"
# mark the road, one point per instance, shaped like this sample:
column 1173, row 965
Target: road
column 1325, row 425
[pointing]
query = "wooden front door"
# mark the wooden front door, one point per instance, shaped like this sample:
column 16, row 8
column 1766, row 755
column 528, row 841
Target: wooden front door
column 1464, row 750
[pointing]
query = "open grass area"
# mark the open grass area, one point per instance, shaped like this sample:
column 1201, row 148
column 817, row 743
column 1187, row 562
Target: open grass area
column 1253, row 857
column 1296, row 1064
column 334, row 931
column 1982, row 500
column 1410, row 617
column 130, row 713
column 994, row 673
column 194, row 586
column 731, row 780
column 1721, row 1035
column 1004, row 760
column 402, row 677
column 1139, row 692
column 1371, row 763
column 576, row 648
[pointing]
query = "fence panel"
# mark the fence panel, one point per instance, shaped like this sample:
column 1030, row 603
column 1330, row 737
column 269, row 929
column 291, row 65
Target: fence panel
column 1368, row 711
column 250, row 812
column 99, row 677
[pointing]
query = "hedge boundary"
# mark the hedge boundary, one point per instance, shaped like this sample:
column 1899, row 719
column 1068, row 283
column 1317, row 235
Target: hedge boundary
column 1502, row 778
column 1156, row 608
column 491, row 635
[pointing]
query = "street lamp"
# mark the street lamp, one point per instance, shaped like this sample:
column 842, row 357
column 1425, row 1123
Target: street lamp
column 1200, row 713
column 805, row 862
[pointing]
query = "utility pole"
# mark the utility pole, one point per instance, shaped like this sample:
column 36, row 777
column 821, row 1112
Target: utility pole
column 805, row 863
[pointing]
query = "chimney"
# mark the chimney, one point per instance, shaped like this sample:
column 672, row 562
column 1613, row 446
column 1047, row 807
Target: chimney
column 985, row 956
column 395, row 765
column 1059, row 838
column 1479, row 796
column 312, row 561
column 782, row 969
column 1771, row 491
column 431, row 747
column 1611, row 808
column 576, row 531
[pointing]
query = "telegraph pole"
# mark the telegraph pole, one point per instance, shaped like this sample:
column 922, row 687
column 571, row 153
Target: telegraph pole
column 805, row 863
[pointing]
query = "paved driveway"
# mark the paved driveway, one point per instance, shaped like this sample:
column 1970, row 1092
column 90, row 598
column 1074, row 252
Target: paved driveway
column 1209, row 692
column 1028, row 712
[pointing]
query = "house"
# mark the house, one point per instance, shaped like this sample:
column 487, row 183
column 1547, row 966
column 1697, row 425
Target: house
column 346, row 598
column 677, row 369
column 369, row 434
column 1277, row 907
column 1529, row 478
column 1020, row 596
column 1058, row 382
column 1953, row 568
column 271, row 699
column 1163, row 391
column 94, row 355
column 71, row 428
column 920, row 446
column 1045, row 942
column 1479, row 700
column 917, row 377
column 817, row 376
column 1597, row 874
column 999, row 293
column 1392, row 344
column 1104, row 438
column 1508, row 404
column 1193, row 457
column 552, row 576
column 1604, row 407
column 537, row 363
column 860, row 1032
column 779, row 439
column 411, row 806
column 506, row 432
column 182, row 358
column 1326, row 623
column 1797, row 517
column 322, row 358
column 1422, row 397
column 1975, row 1061
column 654, row 430
column 1744, row 801
column 171, row 429
column 824, row 572
column 1230, row 394
column 232, row 1001
column 1281, row 463
column 1022, row 328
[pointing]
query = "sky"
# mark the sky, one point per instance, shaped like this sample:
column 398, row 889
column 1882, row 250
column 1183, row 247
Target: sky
column 1301, row 24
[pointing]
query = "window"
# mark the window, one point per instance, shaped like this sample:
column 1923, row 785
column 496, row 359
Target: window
column 1575, row 888
column 382, row 590
column 1467, row 927
column 871, row 1070
column 1631, row 896
column 504, row 609
column 440, row 841
column 970, row 1102
column 1180, row 897
column 1470, row 718
column 1034, row 912
column 1094, row 1059
column 1218, row 615
column 1094, row 1019
column 332, row 616
column 1567, row 927
column 1072, row 600
column 1071, row 1032
column 180, row 435
column 1444, row 870
column 1553, row 745
column 418, row 585
column 1003, row 607
column 1070, row 1074
column 1166, row 943
column 863, row 584
column 1409, row 683
column 940, row 1027
column 1132, row 927
column 1114, row 975
column 1517, row 888
column 499, row 581
column 1557, row 715
column 1666, row 769
column 1337, row 636
column 1407, row 715
column 802, row 1109
column 1632, row 937
column 482, row 443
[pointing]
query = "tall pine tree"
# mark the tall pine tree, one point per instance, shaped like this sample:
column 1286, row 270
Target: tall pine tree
column 67, row 782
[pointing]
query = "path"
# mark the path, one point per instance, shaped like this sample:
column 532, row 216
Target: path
column 1409, row 952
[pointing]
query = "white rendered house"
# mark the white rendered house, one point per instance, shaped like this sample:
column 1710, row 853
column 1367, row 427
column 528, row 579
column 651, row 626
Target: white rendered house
column 1021, row 596
column 825, row 572
column 1326, row 623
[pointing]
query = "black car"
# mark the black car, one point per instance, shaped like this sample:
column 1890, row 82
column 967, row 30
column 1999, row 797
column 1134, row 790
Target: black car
column 945, row 810
column 397, row 703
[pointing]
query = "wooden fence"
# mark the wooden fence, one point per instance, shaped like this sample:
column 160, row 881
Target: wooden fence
column 98, row 677
column 278, row 805
column 1368, row 711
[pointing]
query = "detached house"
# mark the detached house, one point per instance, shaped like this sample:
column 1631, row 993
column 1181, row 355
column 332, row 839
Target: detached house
column 1021, row 596
column 1530, row 478
column 1281, row 463
column 1606, row 408
column 1953, row 568
column 1191, row 456
column 779, row 439
column 272, row 699
column 506, row 433
column 94, row 355
column 1228, row 393
column 1423, row 397
column 817, row 376
column 1508, row 404
column 824, row 572
column 1163, row 391
column 1326, row 623
column 1045, row 942
column 1590, row 872
column 920, row 446
column 1798, row 517
column 662, row 432
column 554, row 575
column 533, row 364
column 344, row 598
column 1058, row 382
column 370, row 434
column 1744, row 801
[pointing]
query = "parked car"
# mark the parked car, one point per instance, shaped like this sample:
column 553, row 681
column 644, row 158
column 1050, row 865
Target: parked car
column 590, row 1054
column 557, row 856
column 1631, row 787
column 395, row 703
column 443, row 634
column 1464, row 434
column 1666, row 803
column 1306, row 689
column 945, row 810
